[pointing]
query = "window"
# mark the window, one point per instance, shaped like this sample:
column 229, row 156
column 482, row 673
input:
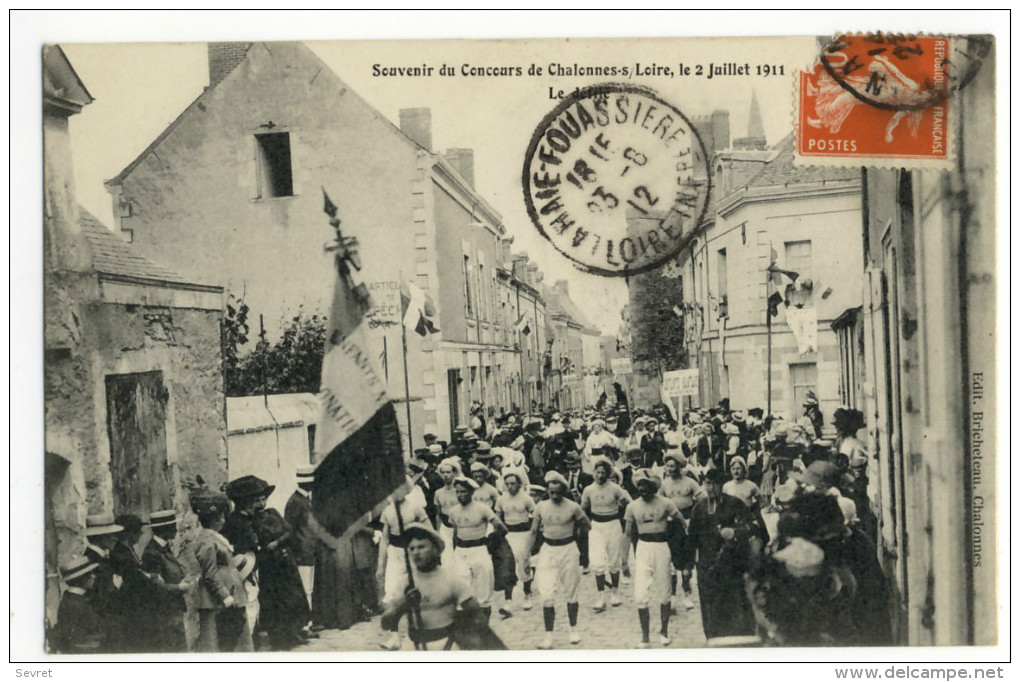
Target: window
column 803, row 378
column 274, row 171
column 798, row 256
column 722, row 284
column 468, row 307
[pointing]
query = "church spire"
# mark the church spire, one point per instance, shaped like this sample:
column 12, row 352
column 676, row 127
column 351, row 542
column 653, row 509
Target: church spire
column 755, row 128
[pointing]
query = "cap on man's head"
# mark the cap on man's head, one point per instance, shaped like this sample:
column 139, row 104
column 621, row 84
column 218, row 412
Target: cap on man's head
column 478, row 467
column 551, row 476
column 646, row 476
column 466, row 482
column 677, row 457
column 420, row 531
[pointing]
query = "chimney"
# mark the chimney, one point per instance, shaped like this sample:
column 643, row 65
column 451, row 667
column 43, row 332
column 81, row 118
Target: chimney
column 563, row 286
column 720, row 129
column 464, row 161
column 417, row 124
column 223, row 58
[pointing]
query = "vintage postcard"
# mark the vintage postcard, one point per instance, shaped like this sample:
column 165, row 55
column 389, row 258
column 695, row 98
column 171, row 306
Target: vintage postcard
column 531, row 345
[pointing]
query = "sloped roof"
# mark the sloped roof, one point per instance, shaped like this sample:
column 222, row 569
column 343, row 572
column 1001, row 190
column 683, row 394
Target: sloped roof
column 781, row 170
column 113, row 257
column 559, row 303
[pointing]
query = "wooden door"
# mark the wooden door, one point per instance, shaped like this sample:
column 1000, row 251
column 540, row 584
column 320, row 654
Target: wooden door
column 136, row 424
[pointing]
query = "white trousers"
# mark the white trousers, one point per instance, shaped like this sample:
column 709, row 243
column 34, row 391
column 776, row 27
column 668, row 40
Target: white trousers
column 558, row 571
column 522, row 556
column 651, row 573
column 396, row 574
column 475, row 564
column 605, row 547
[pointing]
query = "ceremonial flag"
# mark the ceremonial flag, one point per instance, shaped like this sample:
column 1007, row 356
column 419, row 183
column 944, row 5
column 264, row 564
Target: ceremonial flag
column 418, row 310
column 775, row 281
column 358, row 447
column 523, row 325
column 804, row 325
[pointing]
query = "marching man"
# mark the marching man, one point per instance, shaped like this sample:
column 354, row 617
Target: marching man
column 603, row 502
column 648, row 519
column 516, row 507
column 557, row 520
column 470, row 521
column 392, row 567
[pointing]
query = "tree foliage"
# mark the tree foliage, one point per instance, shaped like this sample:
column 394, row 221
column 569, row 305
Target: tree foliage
column 657, row 332
column 293, row 364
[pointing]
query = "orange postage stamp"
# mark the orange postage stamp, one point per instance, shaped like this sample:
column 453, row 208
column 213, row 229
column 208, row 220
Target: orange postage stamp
column 881, row 99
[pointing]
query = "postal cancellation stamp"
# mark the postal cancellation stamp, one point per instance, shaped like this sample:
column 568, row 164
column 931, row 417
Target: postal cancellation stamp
column 616, row 179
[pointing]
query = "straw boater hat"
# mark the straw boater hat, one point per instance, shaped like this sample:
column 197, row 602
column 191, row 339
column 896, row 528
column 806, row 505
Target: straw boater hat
column 244, row 563
column 101, row 524
column 435, row 450
column 162, row 518
column 305, row 474
column 483, row 450
column 76, row 567
column 647, row 476
column 420, row 531
column 731, row 429
column 536, row 488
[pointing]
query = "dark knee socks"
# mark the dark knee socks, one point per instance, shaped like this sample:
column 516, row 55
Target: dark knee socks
column 572, row 613
column 645, row 619
column 549, row 616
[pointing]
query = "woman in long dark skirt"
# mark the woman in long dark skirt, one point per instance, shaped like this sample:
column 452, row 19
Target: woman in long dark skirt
column 284, row 608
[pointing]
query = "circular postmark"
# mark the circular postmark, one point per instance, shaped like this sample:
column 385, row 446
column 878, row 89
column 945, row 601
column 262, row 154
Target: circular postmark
column 617, row 179
column 903, row 72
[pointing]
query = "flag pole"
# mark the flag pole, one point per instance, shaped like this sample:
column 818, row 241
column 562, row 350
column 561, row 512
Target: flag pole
column 414, row 615
column 407, row 383
column 768, row 336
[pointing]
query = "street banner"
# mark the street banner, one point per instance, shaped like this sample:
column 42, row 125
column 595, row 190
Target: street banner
column 681, row 382
column 359, row 454
column 621, row 366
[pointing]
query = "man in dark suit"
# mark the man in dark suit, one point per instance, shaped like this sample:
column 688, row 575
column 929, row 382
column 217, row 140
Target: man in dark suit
column 79, row 629
column 298, row 515
column 722, row 529
column 165, row 626
column 104, row 595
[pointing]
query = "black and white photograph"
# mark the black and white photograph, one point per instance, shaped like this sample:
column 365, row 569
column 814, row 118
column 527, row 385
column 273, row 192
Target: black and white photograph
column 673, row 347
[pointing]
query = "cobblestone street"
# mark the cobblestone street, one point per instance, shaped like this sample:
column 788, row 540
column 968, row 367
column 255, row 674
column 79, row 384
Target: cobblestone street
column 615, row 628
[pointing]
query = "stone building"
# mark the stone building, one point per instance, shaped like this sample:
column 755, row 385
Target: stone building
column 134, row 404
column 233, row 189
column 573, row 351
column 918, row 357
column 806, row 220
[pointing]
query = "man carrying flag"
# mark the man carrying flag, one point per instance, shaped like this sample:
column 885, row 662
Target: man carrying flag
column 359, row 456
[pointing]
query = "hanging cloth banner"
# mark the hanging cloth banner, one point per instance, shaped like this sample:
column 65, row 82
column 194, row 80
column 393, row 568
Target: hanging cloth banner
column 804, row 325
